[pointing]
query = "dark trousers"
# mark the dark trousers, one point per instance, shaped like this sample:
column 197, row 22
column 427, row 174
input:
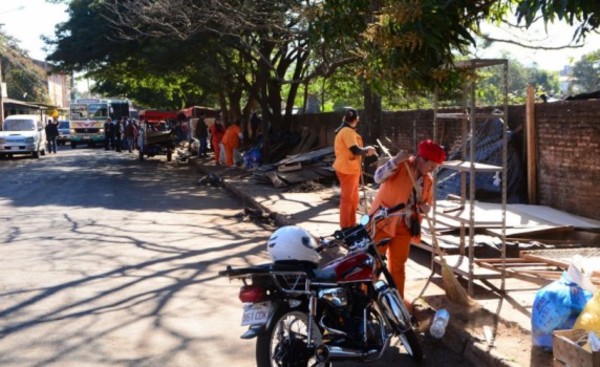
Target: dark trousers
column 203, row 148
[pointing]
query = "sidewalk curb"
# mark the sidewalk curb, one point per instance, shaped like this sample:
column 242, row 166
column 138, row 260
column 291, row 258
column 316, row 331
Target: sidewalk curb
column 280, row 220
column 456, row 339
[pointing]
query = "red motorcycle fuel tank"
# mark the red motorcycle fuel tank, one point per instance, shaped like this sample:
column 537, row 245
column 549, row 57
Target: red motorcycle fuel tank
column 357, row 267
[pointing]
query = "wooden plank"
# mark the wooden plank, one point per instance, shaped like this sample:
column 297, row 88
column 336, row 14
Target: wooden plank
column 521, row 234
column 517, row 221
column 562, row 257
column 531, row 145
column 555, row 216
column 479, row 272
column 546, row 260
column 567, row 350
column 465, row 166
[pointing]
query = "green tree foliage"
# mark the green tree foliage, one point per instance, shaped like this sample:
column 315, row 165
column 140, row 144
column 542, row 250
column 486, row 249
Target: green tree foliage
column 583, row 13
column 158, row 73
column 24, row 80
column 260, row 53
column 491, row 87
column 586, row 73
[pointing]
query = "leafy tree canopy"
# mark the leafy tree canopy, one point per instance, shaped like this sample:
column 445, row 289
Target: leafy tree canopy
column 24, row 80
column 248, row 51
column 586, row 73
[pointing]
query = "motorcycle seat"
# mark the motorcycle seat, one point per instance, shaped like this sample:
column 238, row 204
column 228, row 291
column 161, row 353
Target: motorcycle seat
column 293, row 265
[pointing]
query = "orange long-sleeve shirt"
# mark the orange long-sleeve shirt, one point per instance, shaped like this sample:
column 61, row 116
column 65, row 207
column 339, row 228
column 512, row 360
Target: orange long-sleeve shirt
column 231, row 137
column 396, row 189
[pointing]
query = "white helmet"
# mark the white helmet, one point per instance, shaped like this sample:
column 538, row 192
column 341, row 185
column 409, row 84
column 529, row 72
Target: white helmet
column 292, row 243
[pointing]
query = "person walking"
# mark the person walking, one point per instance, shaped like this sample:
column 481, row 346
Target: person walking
column 129, row 135
column 396, row 177
column 349, row 150
column 119, row 130
column 216, row 135
column 202, row 135
column 231, row 141
column 51, row 135
column 107, row 134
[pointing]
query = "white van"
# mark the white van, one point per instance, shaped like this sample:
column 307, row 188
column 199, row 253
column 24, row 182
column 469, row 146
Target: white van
column 23, row 134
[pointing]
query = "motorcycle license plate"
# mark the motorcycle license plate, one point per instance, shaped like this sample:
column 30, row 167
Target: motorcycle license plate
column 256, row 313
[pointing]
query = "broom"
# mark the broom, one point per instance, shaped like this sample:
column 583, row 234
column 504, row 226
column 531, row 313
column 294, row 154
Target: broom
column 454, row 291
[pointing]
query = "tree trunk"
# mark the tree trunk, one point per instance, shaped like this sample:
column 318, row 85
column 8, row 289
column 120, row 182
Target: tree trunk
column 372, row 114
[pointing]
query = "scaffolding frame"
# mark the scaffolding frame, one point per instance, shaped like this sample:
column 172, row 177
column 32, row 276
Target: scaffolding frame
column 469, row 118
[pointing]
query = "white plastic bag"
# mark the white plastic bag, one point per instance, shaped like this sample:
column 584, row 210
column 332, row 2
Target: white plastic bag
column 578, row 274
column 222, row 159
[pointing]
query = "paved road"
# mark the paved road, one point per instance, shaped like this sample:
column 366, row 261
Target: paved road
column 108, row 261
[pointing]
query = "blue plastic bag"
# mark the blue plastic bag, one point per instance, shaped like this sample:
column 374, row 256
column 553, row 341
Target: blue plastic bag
column 556, row 307
column 253, row 157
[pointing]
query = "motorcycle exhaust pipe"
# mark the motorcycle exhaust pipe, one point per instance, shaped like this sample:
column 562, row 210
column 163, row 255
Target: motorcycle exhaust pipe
column 325, row 353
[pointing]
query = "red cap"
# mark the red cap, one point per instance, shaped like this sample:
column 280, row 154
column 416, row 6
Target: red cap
column 432, row 151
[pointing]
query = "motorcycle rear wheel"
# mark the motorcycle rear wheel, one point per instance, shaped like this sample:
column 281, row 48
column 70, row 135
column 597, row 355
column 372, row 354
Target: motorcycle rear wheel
column 284, row 342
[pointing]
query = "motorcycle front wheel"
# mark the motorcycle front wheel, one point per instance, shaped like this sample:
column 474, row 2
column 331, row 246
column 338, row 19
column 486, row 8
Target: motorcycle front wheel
column 411, row 344
column 400, row 319
column 284, row 344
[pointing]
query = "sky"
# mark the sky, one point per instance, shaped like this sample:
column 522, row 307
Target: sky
column 27, row 20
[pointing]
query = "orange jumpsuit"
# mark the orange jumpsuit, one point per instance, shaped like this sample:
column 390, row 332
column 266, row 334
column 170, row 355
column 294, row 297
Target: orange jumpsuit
column 396, row 189
column 216, row 135
column 231, row 141
column 347, row 167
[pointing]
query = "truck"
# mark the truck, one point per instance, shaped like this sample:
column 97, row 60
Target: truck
column 87, row 118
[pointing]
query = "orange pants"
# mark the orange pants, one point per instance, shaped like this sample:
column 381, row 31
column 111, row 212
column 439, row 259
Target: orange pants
column 397, row 254
column 349, row 198
column 217, row 149
column 228, row 155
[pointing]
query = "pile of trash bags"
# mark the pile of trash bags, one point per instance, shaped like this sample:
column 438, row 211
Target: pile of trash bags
column 571, row 302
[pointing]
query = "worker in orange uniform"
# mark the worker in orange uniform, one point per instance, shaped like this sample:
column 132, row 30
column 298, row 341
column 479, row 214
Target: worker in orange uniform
column 349, row 150
column 216, row 135
column 231, row 140
column 397, row 188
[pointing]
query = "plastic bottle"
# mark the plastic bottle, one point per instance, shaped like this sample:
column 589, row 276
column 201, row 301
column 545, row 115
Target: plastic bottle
column 439, row 323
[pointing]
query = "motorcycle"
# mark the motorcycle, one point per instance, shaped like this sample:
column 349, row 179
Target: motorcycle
column 303, row 315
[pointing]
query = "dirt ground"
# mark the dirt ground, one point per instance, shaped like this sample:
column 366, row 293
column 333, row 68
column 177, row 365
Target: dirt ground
column 479, row 326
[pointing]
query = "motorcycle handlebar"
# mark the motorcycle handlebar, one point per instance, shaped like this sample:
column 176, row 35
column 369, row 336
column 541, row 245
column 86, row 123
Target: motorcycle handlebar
column 328, row 243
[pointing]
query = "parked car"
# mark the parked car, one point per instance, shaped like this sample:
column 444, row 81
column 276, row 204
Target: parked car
column 64, row 132
column 23, row 134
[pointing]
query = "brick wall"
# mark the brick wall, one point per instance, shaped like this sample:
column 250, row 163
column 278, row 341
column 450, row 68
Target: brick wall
column 568, row 137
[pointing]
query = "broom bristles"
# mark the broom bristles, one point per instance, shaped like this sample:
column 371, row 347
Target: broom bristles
column 454, row 290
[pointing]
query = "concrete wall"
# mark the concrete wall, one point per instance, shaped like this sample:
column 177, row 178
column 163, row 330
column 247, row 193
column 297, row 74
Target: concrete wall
column 568, row 138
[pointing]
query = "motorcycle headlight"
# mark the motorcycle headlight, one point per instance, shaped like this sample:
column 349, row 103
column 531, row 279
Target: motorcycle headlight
column 101, row 131
column 72, row 131
column 29, row 140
